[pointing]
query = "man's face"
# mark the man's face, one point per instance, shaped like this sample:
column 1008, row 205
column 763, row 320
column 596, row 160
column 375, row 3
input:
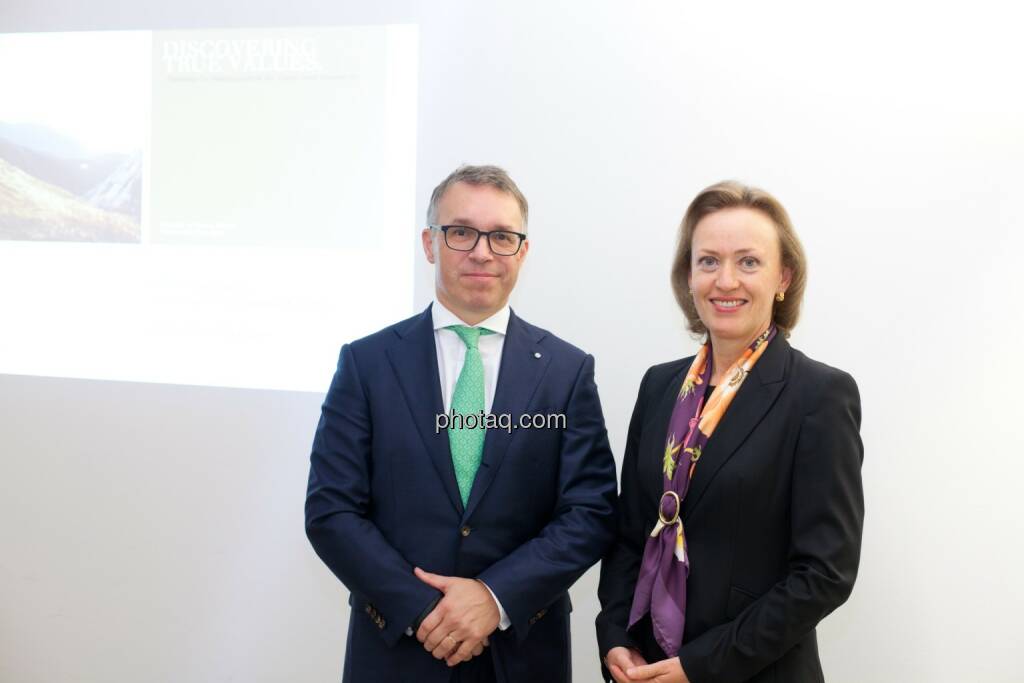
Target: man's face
column 474, row 284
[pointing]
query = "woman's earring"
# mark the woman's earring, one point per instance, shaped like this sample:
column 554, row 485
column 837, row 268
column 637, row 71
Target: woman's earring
column 781, row 296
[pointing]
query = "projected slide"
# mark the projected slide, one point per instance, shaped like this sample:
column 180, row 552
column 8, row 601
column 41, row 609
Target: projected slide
column 217, row 207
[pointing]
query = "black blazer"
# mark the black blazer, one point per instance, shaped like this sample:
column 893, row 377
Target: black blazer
column 773, row 520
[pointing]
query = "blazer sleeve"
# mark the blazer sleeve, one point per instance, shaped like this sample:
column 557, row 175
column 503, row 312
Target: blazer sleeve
column 620, row 567
column 827, row 515
column 533, row 575
column 337, row 506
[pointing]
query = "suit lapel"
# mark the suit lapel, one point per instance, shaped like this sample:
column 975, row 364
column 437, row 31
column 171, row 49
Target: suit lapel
column 752, row 401
column 652, row 465
column 414, row 359
column 522, row 365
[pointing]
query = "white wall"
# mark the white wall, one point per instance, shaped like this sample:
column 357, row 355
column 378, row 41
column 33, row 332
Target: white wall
column 155, row 532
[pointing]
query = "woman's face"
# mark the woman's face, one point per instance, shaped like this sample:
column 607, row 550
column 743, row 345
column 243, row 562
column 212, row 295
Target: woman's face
column 735, row 272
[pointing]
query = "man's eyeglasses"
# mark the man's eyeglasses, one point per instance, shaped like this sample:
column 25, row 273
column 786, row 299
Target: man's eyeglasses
column 464, row 238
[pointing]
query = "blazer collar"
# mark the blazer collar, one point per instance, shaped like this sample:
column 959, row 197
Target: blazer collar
column 753, row 400
column 523, row 364
column 414, row 359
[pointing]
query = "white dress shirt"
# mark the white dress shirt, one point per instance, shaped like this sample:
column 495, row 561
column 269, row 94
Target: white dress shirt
column 451, row 355
column 451, row 351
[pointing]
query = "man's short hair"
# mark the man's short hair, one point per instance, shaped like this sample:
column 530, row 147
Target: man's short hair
column 494, row 176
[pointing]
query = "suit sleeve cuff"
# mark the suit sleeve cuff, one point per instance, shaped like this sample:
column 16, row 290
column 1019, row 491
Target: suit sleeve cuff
column 504, row 622
column 411, row 630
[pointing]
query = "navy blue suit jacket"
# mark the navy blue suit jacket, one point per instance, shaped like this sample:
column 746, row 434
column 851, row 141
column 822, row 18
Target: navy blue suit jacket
column 383, row 498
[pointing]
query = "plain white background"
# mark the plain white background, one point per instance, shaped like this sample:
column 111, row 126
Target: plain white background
column 154, row 532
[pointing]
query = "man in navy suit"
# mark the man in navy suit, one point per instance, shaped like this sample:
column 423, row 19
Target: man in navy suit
column 458, row 544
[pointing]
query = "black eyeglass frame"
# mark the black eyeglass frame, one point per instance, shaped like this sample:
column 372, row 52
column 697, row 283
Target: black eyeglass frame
column 479, row 234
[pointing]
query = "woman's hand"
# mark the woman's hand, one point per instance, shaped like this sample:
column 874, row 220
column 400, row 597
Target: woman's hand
column 665, row 671
column 619, row 659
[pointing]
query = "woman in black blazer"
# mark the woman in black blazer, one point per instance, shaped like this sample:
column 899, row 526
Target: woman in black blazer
column 766, row 540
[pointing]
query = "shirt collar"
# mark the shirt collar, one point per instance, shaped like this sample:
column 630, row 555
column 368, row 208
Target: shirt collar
column 497, row 323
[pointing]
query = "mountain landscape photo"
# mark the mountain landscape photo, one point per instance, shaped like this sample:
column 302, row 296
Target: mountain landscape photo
column 52, row 190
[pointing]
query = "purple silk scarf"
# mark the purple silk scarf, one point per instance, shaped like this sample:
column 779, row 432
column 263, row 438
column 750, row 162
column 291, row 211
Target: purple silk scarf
column 661, row 584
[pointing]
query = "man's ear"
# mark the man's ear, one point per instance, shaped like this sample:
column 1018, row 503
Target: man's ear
column 523, row 248
column 428, row 244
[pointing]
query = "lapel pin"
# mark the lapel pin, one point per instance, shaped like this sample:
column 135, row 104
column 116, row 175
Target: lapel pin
column 536, row 354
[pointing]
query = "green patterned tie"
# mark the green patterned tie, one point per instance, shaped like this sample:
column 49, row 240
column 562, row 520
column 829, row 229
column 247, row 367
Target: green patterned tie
column 467, row 445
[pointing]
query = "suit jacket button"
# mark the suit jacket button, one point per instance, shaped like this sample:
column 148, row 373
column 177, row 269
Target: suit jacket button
column 465, row 531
